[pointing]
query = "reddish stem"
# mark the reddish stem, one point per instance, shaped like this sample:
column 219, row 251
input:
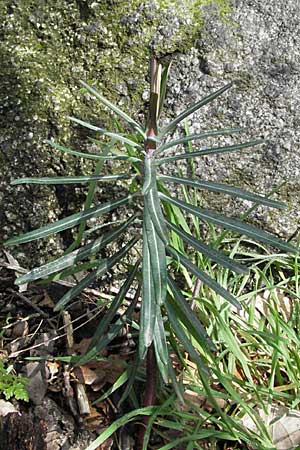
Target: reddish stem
column 149, row 397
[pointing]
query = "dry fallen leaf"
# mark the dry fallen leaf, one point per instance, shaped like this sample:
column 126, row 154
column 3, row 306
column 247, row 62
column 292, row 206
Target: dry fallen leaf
column 85, row 375
column 262, row 301
column 47, row 301
column 82, row 347
column 283, row 425
column 20, row 329
column 94, row 420
column 7, row 408
column 53, row 371
column 201, row 401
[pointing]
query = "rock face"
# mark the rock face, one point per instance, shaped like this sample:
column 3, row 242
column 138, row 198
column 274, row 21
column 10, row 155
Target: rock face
column 258, row 48
column 46, row 47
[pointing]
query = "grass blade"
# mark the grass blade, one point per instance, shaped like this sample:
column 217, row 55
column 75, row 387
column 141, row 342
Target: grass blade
column 69, row 222
column 210, row 252
column 187, row 316
column 204, row 277
column 72, row 180
column 117, row 384
column 170, row 127
column 147, row 411
column 225, row 189
column 112, row 332
column 115, row 305
column 183, row 338
column 232, row 224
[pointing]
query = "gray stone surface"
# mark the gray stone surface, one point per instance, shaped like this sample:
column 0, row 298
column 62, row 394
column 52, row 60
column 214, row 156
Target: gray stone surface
column 46, row 48
column 258, row 48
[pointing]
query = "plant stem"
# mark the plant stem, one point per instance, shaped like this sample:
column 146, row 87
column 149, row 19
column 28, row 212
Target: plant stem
column 149, row 398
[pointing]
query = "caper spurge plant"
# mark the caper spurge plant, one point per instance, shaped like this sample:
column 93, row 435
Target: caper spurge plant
column 144, row 149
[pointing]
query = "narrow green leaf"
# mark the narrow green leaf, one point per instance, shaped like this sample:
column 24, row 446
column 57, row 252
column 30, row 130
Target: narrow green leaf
column 157, row 252
column 115, row 109
column 116, row 136
column 132, row 374
column 115, row 305
column 113, row 331
column 161, row 411
column 201, row 435
column 206, row 250
column 69, row 222
column 224, row 189
column 187, row 316
column 204, row 277
column 77, row 255
column 117, row 384
column 152, row 205
column 91, row 155
column 209, row 151
column 163, row 87
column 86, row 266
column 148, row 308
column 160, row 345
column 153, row 109
column 104, row 266
column 72, row 180
column 136, row 365
column 106, row 148
column 119, row 423
column 151, row 200
column 149, row 175
column 195, row 137
column 232, row 224
column 183, row 338
column 191, row 109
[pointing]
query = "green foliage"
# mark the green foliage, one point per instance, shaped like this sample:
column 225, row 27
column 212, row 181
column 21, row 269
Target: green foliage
column 12, row 385
column 163, row 233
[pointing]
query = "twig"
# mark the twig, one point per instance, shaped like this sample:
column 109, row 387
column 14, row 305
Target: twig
column 82, row 399
column 14, row 354
column 195, row 293
column 33, row 306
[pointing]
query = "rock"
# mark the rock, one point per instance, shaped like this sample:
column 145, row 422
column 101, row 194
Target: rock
column 45, row 50
column 22, row 432
column 37, row 384
column 62, row 432
column 258, row 49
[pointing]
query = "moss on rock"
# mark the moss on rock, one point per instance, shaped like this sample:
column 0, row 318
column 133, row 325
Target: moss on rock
column 46, row 47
